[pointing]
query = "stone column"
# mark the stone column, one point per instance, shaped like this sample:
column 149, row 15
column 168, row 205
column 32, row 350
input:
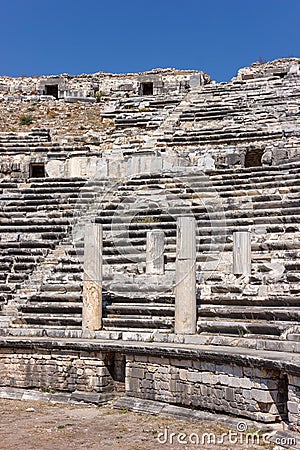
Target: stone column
column 92, row 278
column 155, row 252
column 242, row 253
column 185, row 291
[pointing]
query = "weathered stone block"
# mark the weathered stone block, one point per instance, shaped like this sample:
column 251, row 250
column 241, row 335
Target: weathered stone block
column 185, row 291
column 155, row 252
column 293, row 407
column 241, row 253
column 92, row 284
column 262, row 396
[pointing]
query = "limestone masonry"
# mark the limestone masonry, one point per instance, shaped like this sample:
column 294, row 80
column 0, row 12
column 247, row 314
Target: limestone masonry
column 150, row 236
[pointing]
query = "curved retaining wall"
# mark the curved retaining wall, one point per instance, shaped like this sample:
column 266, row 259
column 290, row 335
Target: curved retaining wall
column 259, row 385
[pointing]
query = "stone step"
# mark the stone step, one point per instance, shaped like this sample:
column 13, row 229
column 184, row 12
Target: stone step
column 71, row 268
column 293, row 337
column 139, row 309
column 223, row 173
column 49, row 189
column 132, row 289
column 216, row 175
column 213, row 220
column 7, row 184
column 36, row 248
column 250, row 312
column 201, row 187
column 202, row 192
column 136, row 330
column 39, row 147
column 24, row 200
column 241, row 328
column 272, row 300
column 5, row 288
column 138, row 322
column 37, row 223
column 23, row 259
column 135, row 298
column 71, row 181
column 69, row 308
column 259, row 342
column 47, row 319
column 62, row 214
column 50, row 295
column 232, row 209
column 190, row 139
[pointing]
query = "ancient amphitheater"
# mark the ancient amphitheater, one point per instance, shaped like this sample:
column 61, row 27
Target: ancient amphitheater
column 150, row 237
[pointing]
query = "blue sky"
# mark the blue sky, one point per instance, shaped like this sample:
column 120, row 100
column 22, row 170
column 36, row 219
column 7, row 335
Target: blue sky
column 43, row 37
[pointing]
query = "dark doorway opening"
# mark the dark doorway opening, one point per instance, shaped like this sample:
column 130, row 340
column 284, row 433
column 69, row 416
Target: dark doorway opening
column 280, row 74
column 37, row 170
column 282, row 397
column 147, row 88
column 116, row 365
column 51, row 89
column 253, row 157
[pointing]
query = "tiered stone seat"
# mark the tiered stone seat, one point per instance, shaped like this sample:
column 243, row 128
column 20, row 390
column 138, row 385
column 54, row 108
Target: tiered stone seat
column 225, row 305
column 34, row 137
column 20, row 152
column 236, row 113
column 35, row 218
column 142, row 112
column 264, row 201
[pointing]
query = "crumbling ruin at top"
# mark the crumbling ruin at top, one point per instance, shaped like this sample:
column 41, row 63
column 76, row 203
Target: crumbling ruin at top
column 248, row 121
column 167, row 144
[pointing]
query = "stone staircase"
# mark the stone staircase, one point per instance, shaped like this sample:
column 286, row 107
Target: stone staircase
column 32, row 138
column 132, row 121
column 35, row 219
column 230, row 117
column 141, row 112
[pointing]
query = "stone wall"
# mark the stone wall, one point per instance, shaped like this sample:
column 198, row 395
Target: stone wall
column 260, row 69
column 57, row 371
column 86, row 86
column 239, row 383
column 244, row 122
column 293, row 404
column 252, row 392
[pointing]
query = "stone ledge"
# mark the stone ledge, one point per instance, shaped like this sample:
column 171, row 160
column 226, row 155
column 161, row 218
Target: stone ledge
column 74, row 398
column 179, row 412
column 290, row 345
column 289, row 362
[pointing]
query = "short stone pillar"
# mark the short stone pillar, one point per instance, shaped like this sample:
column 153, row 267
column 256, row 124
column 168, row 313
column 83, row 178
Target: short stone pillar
column 242, row 253
column 185, row 291
column 155, row 252
column 92, row 278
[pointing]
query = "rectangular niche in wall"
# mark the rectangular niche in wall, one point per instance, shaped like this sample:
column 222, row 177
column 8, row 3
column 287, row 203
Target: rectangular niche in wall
column 147, row 88
column 37, row 170
column 253, row 157
column 51, row 89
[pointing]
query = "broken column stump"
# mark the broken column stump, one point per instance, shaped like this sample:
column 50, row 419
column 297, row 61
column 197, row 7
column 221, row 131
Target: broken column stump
column 185, row 290
column 155, row 252
column 92, row 278
column 242, row 253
